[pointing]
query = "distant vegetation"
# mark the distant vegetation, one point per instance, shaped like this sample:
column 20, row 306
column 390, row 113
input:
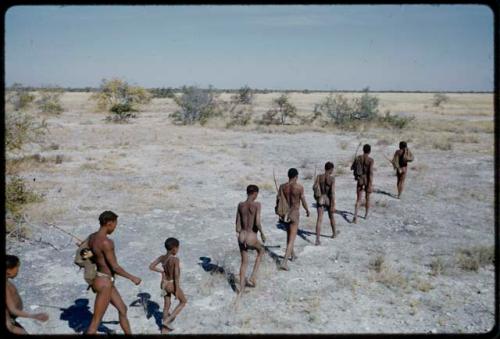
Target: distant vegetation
column 50, row 100
column 162, row 92
column 280, row 113
column 240, row 107
column 21, row 129
column 19, row 97
column 196, row 105
column 439, row 98
column 120, row 99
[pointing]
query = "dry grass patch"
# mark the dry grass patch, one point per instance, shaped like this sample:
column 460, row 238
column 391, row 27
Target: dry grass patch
column 386, row 275
column 471, row 259
column 437, row 266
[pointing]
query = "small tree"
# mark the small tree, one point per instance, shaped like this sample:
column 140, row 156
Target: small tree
column 50, row 100
column 336, row 108
column 365, row 107
column 21, row 129
column 245, row 95
column 281, row 111
column 19, row 96
column 196, row 105
column 439, row 98
column 119, row 92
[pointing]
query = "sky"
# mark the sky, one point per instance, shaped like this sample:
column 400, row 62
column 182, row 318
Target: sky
column 320, row 47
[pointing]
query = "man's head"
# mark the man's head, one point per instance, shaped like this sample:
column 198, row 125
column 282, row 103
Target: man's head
column 172, row 245
column 329, row 167
column 367, row 149
column 12, row 266
column 402, row 145
column 252, row 191
column 109, row 220
column 293, row 173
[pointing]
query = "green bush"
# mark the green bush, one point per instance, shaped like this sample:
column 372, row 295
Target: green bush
column 118, row 92
column 396, row 121
column 196, row 105
column 17, row 195
column 21, row 129
column 19, row 97
column 121, row 113
column 50, row 100
column 439, row 98
column 245, row 95
column 282, row 111
column 338, row 109
column 365, row 107
column 162, row 92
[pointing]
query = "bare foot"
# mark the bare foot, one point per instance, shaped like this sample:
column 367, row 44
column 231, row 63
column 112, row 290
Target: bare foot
column 251, row 283
column 284, row 267
column 355, row 220
column 166, row 329
column 168, row 320
column 317, row 243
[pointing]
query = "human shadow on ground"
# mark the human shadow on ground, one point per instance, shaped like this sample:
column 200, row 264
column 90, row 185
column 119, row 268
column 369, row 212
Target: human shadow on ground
column 377, row 191
column 213, row 268
column 151, row 309
column 79, row 317
column 300, row 232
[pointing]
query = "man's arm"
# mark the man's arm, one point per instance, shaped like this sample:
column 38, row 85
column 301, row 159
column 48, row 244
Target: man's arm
column 395, row 160
column 109, row 253
column 12, row 308
column 370, row 182
column 332, row 196
column 303, row 200
column 238, row 220
column 155, row 263
column 257, row 222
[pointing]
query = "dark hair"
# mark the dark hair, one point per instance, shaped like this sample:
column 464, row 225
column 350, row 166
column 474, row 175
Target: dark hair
column 12, row 261
column 170, row 243
column 402, row 145
column 329, row 165
column 252, row 189
column 367, row 149
column 292, row 173
column 107, row 216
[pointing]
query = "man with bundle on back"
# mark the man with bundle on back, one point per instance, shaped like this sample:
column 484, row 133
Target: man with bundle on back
column 324, row 194
column 400, row 162
column 362, row 168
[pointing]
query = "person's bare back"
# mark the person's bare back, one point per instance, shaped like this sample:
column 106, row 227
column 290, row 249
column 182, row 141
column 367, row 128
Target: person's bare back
column 248, row 222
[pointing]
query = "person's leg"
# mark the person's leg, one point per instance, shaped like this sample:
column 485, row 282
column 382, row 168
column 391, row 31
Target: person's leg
column 401, row 182
column 117, row 302
column 289, row 248
column 179, row 294
column 331, row 216
column 319, row 220
column 166, row 313
column 260, row 253
column 356, row 205
column 367, row 205
column 103, row 288
column 243, row 269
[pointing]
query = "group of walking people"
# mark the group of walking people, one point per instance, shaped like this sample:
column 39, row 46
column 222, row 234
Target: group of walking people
column 96, row 254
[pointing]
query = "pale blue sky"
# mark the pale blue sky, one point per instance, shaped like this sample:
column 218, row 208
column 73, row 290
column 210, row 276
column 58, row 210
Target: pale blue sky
column 393, row 47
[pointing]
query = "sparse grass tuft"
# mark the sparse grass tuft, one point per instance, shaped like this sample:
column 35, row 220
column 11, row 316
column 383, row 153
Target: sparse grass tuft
column 437, row 267
column 343, row 145
column 377, row 264
column 471, row 259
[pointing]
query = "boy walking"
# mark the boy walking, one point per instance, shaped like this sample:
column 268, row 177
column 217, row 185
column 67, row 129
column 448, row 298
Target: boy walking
column 170, row 282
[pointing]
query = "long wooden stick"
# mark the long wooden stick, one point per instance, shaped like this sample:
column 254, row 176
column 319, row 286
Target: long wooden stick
column 66, row 232
column 275, row 183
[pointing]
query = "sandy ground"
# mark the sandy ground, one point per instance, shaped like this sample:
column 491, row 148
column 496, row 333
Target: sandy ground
column 165, row 180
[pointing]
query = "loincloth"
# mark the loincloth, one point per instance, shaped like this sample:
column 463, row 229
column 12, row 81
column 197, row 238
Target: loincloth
column 104, row 275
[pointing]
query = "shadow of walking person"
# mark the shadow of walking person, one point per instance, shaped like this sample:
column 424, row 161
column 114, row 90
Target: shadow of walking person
column 213, row 268
column 151, row 309
column 79, row 317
